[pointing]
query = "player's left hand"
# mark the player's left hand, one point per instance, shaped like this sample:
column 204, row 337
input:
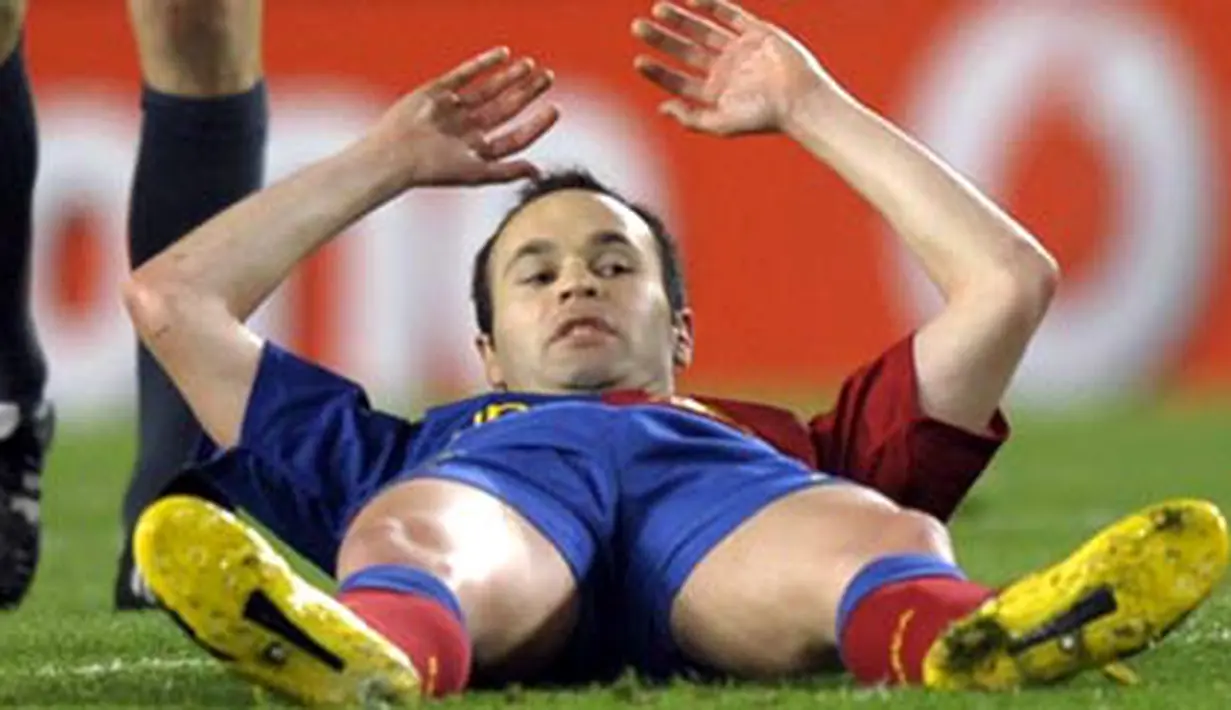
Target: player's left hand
column 749, row 75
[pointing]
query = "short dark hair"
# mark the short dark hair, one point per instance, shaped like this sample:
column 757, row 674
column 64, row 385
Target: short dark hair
column 574, row 179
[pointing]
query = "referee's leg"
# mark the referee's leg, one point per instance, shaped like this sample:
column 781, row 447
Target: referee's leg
column 26, row 420
column 203, row 136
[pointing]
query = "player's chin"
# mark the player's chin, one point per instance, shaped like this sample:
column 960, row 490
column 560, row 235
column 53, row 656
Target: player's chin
column 593, row 374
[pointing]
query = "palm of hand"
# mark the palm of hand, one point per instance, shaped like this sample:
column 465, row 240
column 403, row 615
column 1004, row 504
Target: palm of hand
column 449, row 148
column 752, row 72
column 458, row 129
column 751, row 85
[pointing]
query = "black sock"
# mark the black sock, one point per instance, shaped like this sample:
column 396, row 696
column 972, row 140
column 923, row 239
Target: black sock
column 197, row 157
column 23, row 370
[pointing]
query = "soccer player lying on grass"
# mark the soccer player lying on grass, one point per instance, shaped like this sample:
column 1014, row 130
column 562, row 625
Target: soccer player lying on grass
column 580, row 518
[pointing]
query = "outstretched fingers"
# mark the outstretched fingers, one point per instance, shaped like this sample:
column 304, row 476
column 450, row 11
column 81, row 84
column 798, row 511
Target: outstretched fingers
column 514, row 98
column 674, row 44
column 482, row 91
column 466, row 72
column 672, row 80
column 520, row 137
column 728, row 12
column 694, row 26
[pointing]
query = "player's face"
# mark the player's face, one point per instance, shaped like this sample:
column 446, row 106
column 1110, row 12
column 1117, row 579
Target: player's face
column 578, row 301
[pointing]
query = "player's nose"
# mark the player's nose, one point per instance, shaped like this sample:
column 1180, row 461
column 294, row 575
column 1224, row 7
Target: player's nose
column 577, row 281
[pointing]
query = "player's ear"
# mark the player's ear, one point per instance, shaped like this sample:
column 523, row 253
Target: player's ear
column 492, row 371
column 684, row 338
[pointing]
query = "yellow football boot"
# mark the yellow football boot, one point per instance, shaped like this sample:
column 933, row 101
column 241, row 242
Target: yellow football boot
column 1121, row 592
column 239, row 600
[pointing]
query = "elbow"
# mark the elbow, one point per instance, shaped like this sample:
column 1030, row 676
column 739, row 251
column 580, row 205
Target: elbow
column 1036, row 280
column 152, row 305
column 146, row 305
column 167, row 313
column 1023, row 286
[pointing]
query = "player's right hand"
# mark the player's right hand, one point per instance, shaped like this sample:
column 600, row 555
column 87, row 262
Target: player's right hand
column 460, row 128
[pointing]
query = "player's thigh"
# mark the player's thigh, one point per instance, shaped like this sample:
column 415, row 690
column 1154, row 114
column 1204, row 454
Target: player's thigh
column 517, row 591
column 763, row 602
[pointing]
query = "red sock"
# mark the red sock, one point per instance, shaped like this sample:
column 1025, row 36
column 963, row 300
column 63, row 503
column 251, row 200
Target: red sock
column 428, row 632
column 890, row 631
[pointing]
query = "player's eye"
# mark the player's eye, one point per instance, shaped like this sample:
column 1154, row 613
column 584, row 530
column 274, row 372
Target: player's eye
column 610, row 268
column 543, row 277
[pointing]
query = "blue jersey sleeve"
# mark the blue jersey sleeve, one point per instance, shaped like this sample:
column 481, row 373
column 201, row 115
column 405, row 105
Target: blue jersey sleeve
column 311, row 450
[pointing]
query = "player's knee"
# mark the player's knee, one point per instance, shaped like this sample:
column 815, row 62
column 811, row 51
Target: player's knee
column 199, row 47
column 391, row 540
column 519, row 609
column 909, row 531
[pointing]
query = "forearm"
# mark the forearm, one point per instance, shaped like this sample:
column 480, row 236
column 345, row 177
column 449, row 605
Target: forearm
column 240, row 256
column 962, row 239
column 188, row 303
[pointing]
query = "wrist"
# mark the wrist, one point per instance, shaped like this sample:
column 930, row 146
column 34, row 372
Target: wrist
column 817, row 112
column 388, row 170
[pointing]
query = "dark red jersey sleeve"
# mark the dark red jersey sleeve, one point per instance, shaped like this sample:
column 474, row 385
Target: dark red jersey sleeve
column 877, row 434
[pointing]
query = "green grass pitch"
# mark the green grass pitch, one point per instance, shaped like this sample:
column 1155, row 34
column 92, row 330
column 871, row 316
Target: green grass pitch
column 1054, row 484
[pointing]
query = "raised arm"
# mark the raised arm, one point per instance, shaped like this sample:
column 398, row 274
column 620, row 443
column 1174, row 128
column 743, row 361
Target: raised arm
column 997, row 281
column 189, row 303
